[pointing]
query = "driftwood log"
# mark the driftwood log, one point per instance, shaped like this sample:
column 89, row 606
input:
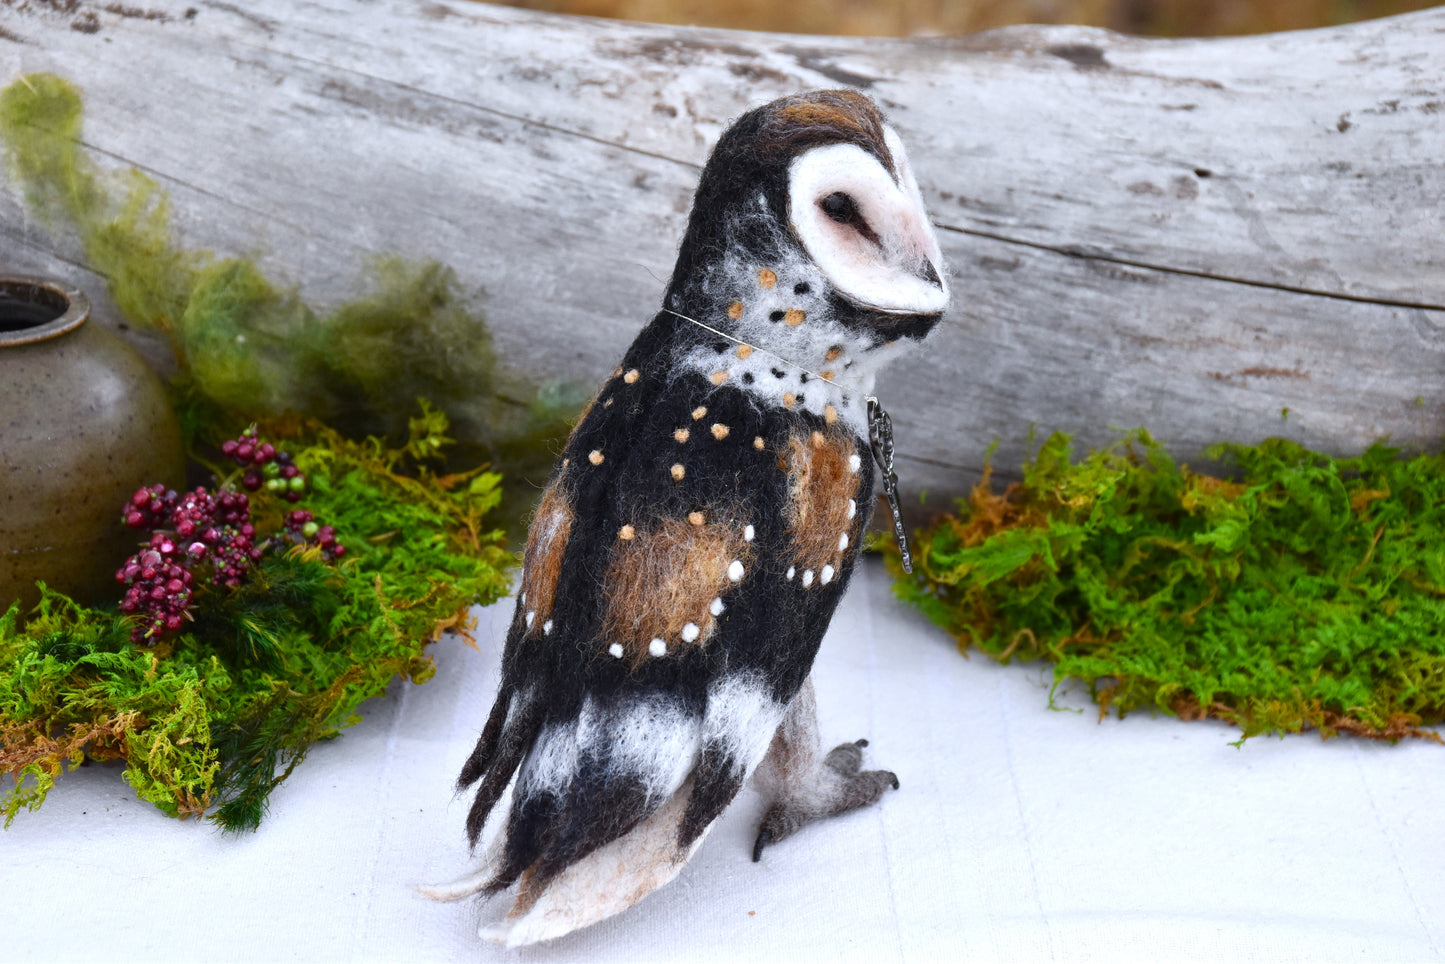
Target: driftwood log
column 1216, row 239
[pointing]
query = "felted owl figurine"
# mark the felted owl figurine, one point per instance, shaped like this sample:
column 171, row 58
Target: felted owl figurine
column 701, row 527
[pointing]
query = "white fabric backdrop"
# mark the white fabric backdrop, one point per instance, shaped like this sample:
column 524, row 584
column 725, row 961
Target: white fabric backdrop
column 1020, row 834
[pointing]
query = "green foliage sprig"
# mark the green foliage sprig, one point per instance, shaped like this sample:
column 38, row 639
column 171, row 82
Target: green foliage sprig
column 218, row 717
column 1307, row 592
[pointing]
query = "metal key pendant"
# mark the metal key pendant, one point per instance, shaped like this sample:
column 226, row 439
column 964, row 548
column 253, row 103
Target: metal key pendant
column 880, row 439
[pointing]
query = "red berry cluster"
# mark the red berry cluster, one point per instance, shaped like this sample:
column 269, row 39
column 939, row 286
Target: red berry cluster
column 204, row 529
column 265, row 466
column 160, row 589
column 149, row 507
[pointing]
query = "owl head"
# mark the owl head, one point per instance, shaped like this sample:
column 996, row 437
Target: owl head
column 819, row 184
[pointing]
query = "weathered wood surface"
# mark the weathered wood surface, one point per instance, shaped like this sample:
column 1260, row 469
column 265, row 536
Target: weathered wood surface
column 1189, row 235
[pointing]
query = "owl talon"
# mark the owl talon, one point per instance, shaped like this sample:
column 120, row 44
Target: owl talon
column 779, row 822
column 765, row 837
column 870, row 784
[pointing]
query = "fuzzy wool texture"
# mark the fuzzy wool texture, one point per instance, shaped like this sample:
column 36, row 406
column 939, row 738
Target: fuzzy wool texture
column 889, row 205
column 654, row 739
column 662, row 634
column 666, row 578
column 822, row 503
column 741, row 717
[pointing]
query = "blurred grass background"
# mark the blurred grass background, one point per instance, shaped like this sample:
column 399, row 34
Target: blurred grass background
column 905, row 18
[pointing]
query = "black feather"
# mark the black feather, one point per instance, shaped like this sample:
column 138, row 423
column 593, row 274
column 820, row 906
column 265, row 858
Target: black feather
column 481, row 756
column 717, row 780
column 516, row 739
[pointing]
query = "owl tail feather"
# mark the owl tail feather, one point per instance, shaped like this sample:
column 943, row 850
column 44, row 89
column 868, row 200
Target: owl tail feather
column 551, row 827
column 498, row 753
column 607, row 881
column 717, row 780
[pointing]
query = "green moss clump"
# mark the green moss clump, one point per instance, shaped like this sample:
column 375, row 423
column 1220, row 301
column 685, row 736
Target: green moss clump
column 1308, row 592
column 216, row 718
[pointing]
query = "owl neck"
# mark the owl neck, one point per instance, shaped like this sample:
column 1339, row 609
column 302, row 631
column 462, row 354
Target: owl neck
column 776, row 381
column 785, row 338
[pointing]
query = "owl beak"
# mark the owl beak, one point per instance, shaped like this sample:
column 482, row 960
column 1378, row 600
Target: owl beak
column 930, row 274
column 921, row 256
column 923, row 266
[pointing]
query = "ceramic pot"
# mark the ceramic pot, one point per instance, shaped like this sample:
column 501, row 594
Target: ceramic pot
column 84, row 422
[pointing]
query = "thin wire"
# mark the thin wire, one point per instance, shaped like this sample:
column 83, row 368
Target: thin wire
column 723, row 334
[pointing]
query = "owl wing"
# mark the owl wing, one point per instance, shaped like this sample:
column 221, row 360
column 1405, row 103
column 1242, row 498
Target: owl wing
column 680, row 572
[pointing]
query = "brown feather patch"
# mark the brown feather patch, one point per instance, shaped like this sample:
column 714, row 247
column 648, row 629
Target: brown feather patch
column 542, row 560
column 820, row 484
column 666, row 578
column 842, row 109
column 831, row 115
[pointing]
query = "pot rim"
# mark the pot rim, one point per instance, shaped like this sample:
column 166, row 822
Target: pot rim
column 76, row 312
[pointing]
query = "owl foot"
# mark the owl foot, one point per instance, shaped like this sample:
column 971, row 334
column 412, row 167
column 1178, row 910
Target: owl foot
column 804, row 784
column 847, row 759
column 842, row 785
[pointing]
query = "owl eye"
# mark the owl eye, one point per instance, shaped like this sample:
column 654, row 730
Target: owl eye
column 840, row 207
